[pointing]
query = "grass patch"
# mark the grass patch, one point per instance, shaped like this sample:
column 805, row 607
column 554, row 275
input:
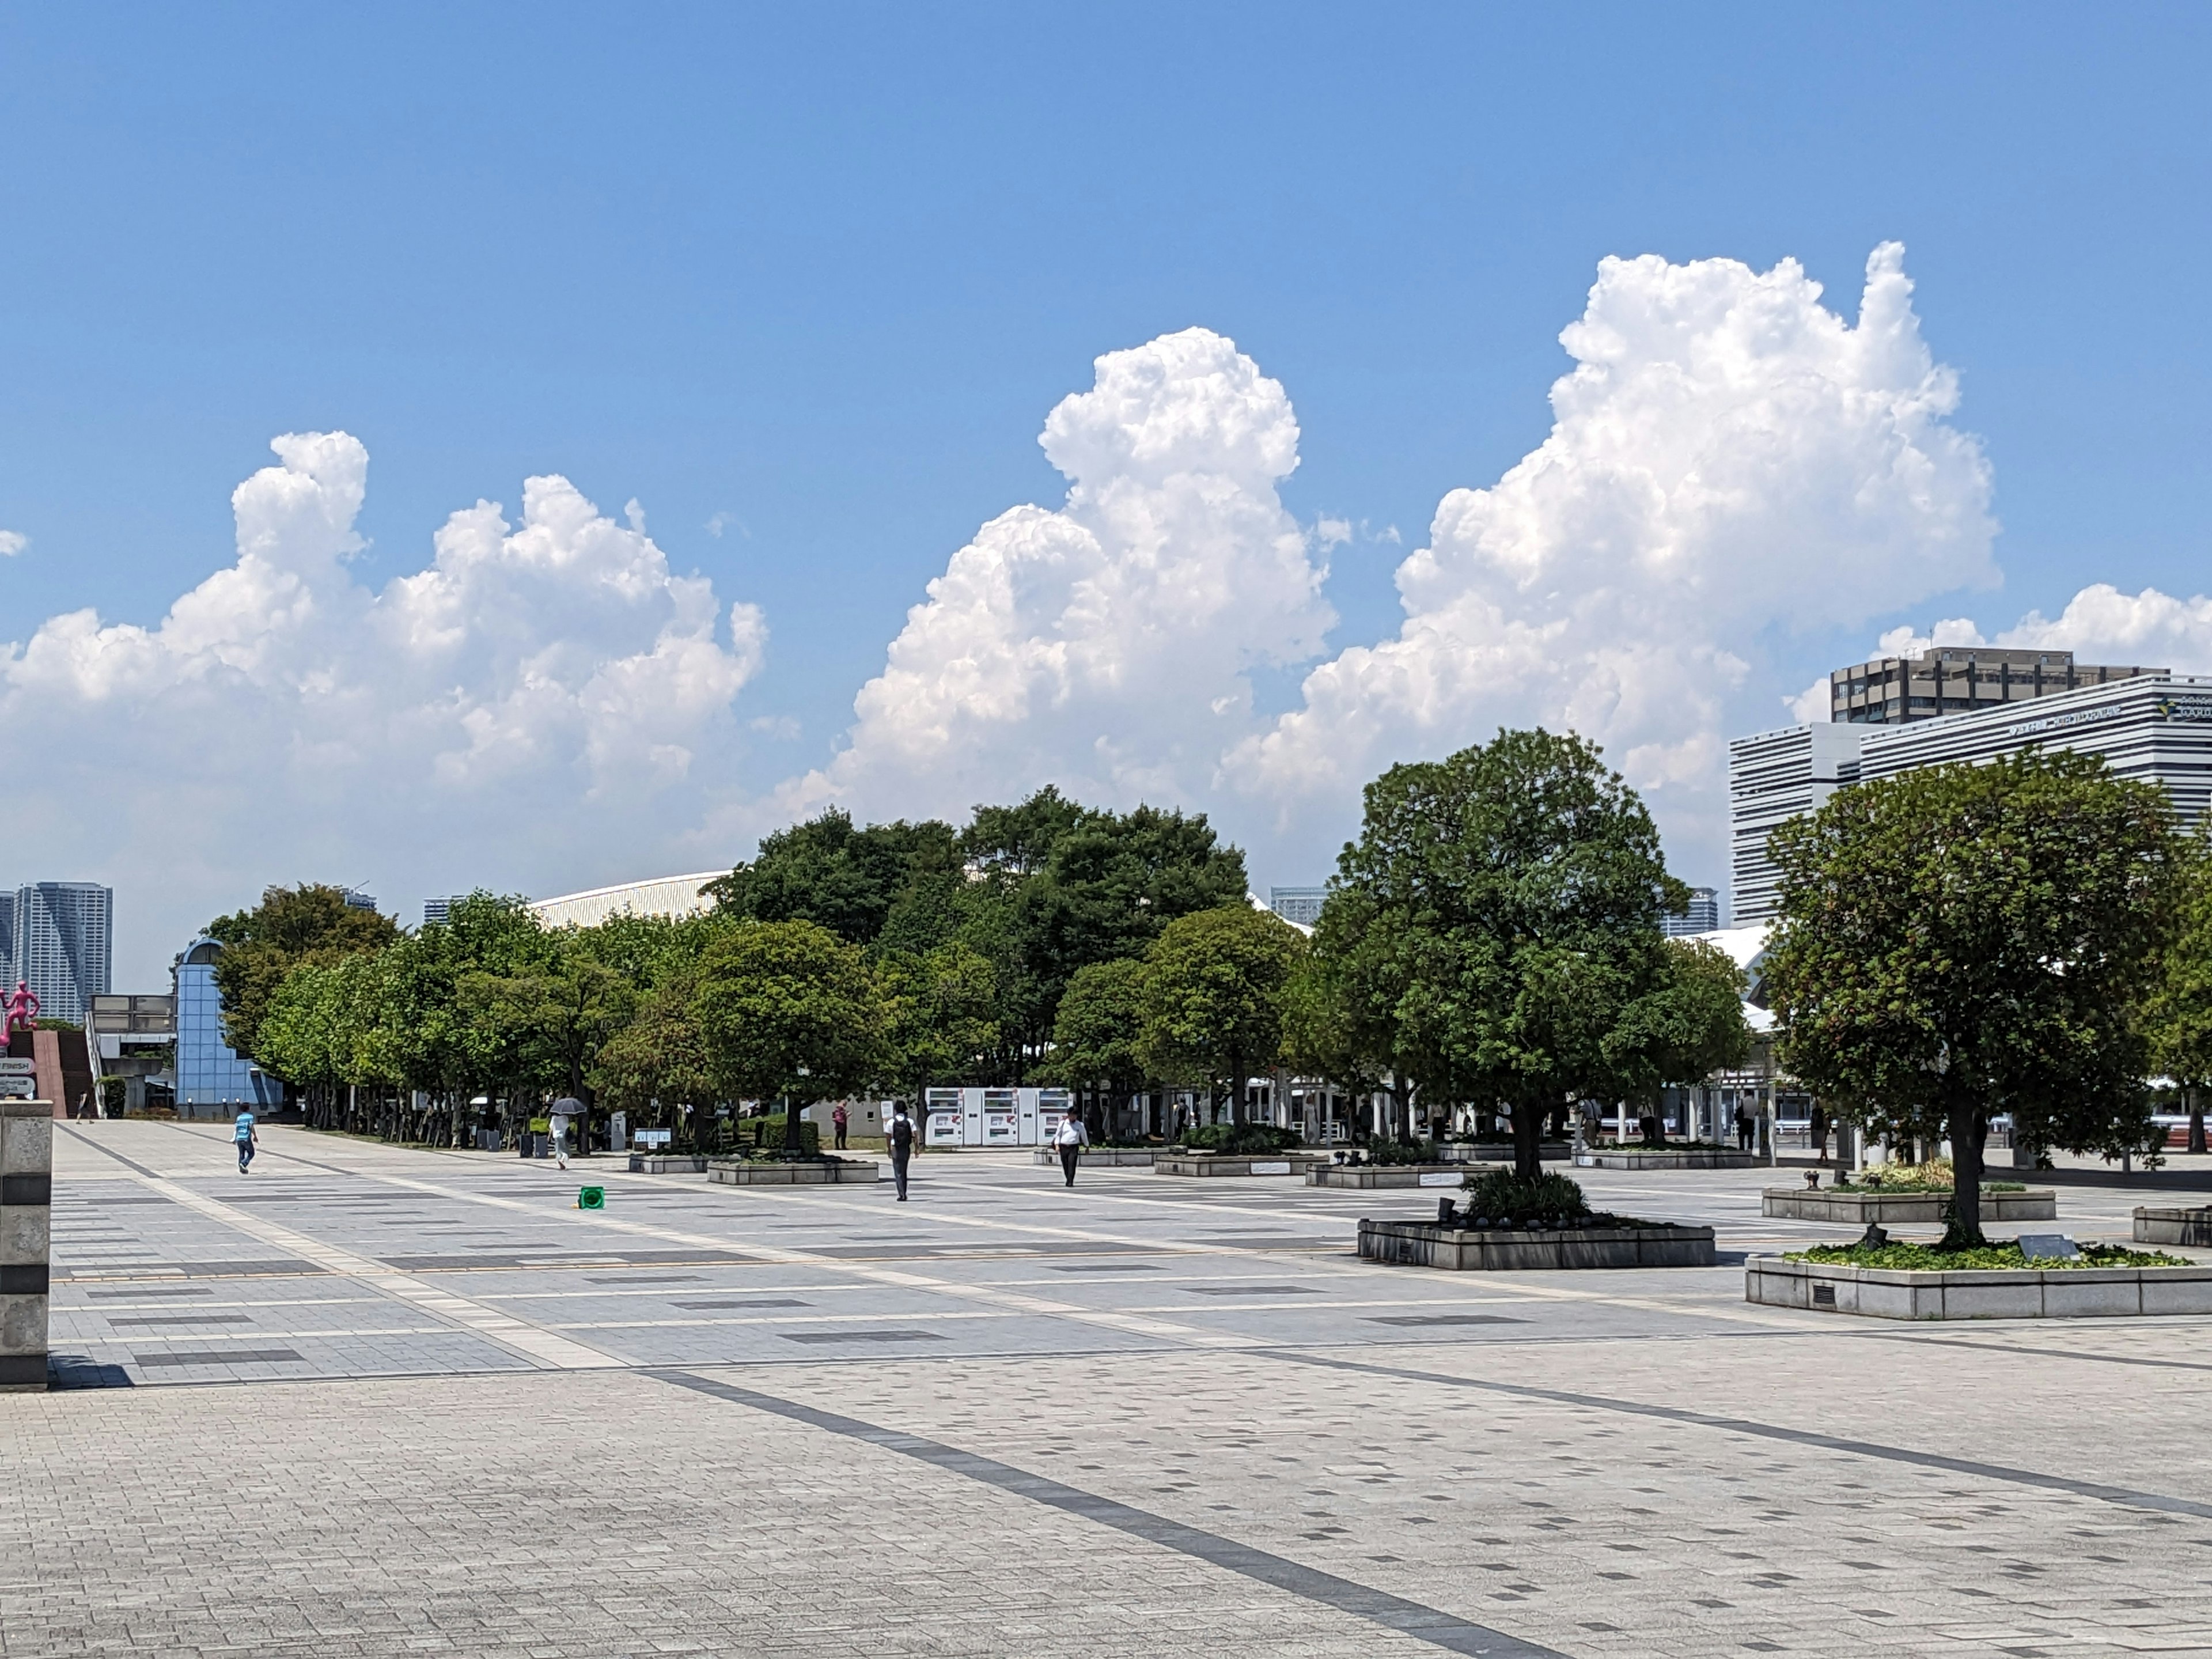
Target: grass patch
column 1926, row 1258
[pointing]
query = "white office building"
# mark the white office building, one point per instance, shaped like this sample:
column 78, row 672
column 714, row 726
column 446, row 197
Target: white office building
column 2154, row 727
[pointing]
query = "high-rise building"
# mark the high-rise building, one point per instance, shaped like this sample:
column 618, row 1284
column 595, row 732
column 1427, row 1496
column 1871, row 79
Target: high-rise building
column 358, row 900
column 1702, row 915
column 61, row 943
column 2154, row 726
column 439, row 909
column 1958, row 679
column 1299, row 904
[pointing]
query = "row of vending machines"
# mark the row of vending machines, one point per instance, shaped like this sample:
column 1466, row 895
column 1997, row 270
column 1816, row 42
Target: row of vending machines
column 994, row 1117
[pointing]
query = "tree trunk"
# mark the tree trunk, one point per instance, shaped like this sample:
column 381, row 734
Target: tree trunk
column 792, row 1144
column 1528, row 1139
column 1970, row 1128
column 1237, row 1089
column 2196, row 1097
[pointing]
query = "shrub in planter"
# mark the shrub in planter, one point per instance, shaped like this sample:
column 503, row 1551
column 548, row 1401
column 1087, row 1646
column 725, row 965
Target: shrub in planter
column 1381, row 1150
column 769, row 1133
column 1504, row 1199
column 1242, row 1140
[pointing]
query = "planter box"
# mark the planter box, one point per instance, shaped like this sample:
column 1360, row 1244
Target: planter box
column 1100, row 1157
column 1500, row 1152
column 2175, row 1227
column 1858, row 1208
column 1657, row 1160
column 1387, row 1175
column 1645, row 1245
column 747, row 1172
column 1223, row 1164
column 1991, row 1293
column 668, row 1162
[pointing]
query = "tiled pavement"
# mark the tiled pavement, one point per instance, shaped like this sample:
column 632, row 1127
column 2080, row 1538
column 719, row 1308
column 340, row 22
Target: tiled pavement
column 1003, row 1418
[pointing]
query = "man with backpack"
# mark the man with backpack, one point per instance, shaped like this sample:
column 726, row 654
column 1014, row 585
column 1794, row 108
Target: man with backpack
column 899, row 1136
column 242, row 1133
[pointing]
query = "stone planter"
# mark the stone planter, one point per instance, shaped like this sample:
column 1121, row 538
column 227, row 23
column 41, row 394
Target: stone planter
column 1657, row 1160
column 1989, row 1293
column 1639, row 1244
column 668, row 1163
column 1858, row 1208
column 1099, row 1158
column 2176, row 1226
column 1223, row 1163
column 1385, row 1174
column 1499, row 1151
column 749, row 1172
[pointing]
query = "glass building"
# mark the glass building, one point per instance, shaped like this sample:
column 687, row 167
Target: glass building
column 212, row 1081
column 1701, row 915
column 60, row 941
column 1301, row 905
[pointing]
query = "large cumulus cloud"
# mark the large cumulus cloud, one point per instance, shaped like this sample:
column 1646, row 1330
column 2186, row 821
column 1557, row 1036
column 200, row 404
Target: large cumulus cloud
column 545, row 701
column 1105, row 644
column 1729, row 461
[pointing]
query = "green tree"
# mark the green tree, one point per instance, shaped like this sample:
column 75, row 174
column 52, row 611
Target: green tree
column 310, row 923
column 939, row 1004
column 659, row 1062
column 1213, row 990
column 1098, row 1030
column 843, row 879
column 1508, row 902
column 790, row 1010
column 1962, row 940
column 550, row 1021
column 2179, row 1020
column 1687, row 1026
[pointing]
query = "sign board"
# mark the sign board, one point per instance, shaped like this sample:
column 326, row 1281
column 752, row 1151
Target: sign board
column 19, row 1088
column 19, row 1068
column 654, row 1137
column 2056, row 1245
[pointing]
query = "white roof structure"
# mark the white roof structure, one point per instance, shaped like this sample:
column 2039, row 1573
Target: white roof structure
column 661, row 896
column 1746, row 948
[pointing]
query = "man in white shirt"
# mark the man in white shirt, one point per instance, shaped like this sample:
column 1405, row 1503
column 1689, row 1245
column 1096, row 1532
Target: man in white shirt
column 1071, row 1137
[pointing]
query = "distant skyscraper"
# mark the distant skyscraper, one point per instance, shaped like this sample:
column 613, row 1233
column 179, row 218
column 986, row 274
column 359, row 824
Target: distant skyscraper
column 61, row 943
column 1298, row 904
column 441, row 909
column 358, row 900
column 1701, row 915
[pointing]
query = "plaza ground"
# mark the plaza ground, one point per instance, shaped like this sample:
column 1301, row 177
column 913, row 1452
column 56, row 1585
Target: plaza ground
column 369, row 1400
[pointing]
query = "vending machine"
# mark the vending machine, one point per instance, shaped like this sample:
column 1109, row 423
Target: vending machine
column 942, row 1117
column 1053, row 1106
column 1001, row 1118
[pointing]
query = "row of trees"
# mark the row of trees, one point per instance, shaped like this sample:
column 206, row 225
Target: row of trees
column 1492, row 939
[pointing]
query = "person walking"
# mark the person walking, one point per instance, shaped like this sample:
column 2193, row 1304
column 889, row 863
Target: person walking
column 1071, row 1137
column 899, row 1136
column 1742, row 1129
column 242, row 1133
column 838, row 1119
column 561, row 1141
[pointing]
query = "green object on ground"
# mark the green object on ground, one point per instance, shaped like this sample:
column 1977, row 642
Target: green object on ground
column 592, row 1198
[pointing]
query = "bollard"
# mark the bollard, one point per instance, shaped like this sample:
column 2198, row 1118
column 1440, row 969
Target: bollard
column 27, row 1164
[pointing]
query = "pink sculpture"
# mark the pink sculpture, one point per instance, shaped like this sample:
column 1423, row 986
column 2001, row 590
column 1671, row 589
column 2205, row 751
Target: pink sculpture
column 21, row 1006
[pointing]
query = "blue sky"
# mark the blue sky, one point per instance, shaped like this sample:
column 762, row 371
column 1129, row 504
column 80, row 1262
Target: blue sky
column 817, row 276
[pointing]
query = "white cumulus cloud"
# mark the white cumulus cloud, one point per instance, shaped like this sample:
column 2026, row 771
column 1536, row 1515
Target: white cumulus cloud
column 544, row 701
column 1728, row 459
column 1104, row 644
column 12, row 542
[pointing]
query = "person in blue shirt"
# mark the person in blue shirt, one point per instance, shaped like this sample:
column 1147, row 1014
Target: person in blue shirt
column 243, row 1134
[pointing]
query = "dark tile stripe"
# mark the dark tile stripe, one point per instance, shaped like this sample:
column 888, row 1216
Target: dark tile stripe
column 1425, row 1624
column 24, row 1279
column 2122, row 1495
column 217, row 1357
column 31, row 1189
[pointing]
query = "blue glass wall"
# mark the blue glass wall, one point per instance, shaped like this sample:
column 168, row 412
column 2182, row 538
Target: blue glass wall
column 209, row 1075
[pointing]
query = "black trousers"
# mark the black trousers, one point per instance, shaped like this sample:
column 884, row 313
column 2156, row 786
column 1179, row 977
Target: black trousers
column 1068, row 1155
column 898, row 1171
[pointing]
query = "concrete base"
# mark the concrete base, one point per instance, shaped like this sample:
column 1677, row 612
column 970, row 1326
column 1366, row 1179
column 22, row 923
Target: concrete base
column 1667, row 1160
column 1100, row 1157
column 27, row 1163
column 1500, row 1152
column 2173, row 1226
column 1223, row 1163
column 668, row 1162
column 1425, row 1244
column 1995, row 1293
column 747, row 1172
column 1387, row 1175
column 1859, row 1209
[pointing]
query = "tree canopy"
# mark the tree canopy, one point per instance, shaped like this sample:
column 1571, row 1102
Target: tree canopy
column 1963, row 941
column 1212, row 995
column 309, row 924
